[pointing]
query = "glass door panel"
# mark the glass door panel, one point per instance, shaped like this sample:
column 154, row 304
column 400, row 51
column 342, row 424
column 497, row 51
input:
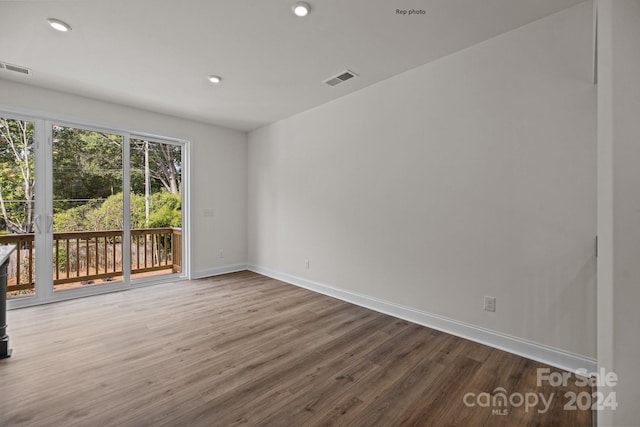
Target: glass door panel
column 87, row 174
column 18, row 218
column 156, row 207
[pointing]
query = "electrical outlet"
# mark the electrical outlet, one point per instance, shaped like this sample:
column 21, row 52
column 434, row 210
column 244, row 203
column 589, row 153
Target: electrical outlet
column 306, row 264
column 489, row 303
column 221, row 254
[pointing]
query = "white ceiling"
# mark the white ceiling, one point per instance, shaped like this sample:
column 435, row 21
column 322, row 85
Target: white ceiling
column 156, row 54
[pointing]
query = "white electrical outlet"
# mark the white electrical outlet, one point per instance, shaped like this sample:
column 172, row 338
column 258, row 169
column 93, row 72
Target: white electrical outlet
column 306, row 264
column 221, row 254
column 489, row 303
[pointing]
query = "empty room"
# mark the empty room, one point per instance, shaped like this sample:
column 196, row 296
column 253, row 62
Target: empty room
column 322, row 212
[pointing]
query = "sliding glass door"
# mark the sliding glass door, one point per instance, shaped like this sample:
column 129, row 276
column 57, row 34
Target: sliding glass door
column 89, row 209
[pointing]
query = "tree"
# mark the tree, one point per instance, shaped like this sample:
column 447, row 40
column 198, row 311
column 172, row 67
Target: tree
column 165, row 163
column 167, row 211
column 161, row 164
column 87, row 165
column 17, row 178
column 98, row 215
column 87, row 179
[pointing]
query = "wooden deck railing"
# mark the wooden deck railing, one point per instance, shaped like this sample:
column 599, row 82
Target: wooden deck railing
column 84, row 256
column 20, row 273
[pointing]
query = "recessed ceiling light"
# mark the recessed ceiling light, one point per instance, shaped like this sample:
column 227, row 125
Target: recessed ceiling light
column 59, row 25
column 301, row 8
column 215, row 79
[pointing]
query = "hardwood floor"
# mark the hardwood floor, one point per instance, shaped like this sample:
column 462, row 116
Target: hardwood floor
column 246, row 349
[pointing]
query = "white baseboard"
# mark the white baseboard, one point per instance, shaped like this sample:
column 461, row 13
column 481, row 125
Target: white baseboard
column 218, row 270
column 531, row 350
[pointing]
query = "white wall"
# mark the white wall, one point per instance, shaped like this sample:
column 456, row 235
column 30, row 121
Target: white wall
column 472, row 175
column 619, row 204
column 218, row 168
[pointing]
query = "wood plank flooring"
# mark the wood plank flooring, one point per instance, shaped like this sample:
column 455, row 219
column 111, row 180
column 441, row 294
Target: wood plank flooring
column 244, row 349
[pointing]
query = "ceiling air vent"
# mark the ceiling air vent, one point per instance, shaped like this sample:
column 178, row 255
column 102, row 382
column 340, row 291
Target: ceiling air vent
column 340, row 78
column 15, row 68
